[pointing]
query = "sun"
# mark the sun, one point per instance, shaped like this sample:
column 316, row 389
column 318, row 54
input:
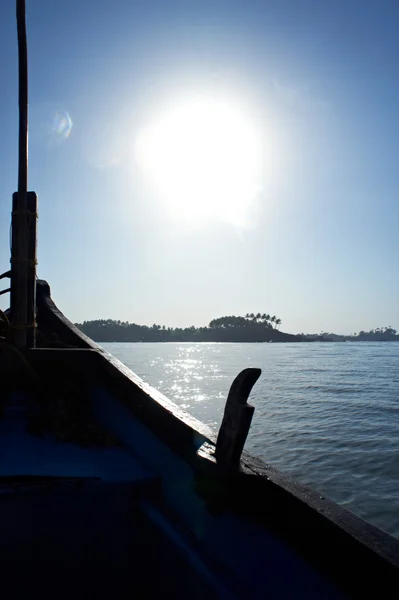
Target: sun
column 203, row 155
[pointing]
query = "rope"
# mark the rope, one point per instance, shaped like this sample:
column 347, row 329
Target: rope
column 4, row 317
column 23, row 326
column 30, row 261
column 13, row 351
column 15, row 213
column 4, row 325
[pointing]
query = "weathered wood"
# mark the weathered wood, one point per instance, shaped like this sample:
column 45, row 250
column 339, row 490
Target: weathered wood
column 54, row 327
column 355, row 554
column 23, row 251
column 23, row 269
column 236, row 420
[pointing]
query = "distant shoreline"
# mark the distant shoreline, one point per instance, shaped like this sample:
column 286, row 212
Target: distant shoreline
column 208, row 342
column 250, row 329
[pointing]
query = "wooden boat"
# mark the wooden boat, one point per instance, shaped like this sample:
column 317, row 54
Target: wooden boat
column 108, row 489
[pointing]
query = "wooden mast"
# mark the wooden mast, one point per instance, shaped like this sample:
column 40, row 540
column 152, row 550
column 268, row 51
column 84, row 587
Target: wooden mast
column 24, row 213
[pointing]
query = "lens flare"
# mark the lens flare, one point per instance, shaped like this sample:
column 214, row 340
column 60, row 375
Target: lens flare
column 61, row 125
column 50, row 125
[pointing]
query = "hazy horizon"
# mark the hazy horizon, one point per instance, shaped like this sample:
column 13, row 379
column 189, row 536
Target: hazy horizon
column 195, row 160
column 280, row 326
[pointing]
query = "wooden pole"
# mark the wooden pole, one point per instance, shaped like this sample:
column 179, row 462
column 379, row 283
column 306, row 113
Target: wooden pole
column 23, row 267
column 23, row 250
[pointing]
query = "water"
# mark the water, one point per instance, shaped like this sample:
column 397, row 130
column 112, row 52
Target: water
column 327, row 414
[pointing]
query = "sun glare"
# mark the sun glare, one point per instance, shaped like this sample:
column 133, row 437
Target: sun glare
column 204, row 157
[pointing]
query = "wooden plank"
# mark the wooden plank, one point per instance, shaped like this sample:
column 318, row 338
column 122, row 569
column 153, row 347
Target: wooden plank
column 236, row 420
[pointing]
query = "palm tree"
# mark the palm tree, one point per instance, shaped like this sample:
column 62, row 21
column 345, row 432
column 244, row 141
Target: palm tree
column 258, row 317
column 277, row 322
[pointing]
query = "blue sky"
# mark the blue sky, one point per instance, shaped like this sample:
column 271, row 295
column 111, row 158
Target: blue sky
column 318, row 79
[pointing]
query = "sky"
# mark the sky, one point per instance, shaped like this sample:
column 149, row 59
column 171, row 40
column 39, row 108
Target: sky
column 269, row 176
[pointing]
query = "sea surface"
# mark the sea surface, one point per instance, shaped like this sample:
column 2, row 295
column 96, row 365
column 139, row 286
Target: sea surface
column 327, row 414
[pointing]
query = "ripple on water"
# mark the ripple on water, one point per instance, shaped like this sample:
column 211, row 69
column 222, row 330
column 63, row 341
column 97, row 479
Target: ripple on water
column 325, row 413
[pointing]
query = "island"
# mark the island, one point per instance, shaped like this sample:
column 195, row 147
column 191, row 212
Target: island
column 259, row 327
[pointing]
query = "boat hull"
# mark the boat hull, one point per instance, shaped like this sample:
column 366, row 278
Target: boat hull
column 206, row 531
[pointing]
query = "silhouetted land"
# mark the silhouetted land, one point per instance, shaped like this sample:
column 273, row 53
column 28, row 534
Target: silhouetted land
column 251, row 328
column 381, row 334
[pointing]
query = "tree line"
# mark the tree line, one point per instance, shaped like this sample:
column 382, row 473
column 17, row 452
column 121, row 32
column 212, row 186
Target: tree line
column 253, row 327
column 259, row 327
column 379, row 334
